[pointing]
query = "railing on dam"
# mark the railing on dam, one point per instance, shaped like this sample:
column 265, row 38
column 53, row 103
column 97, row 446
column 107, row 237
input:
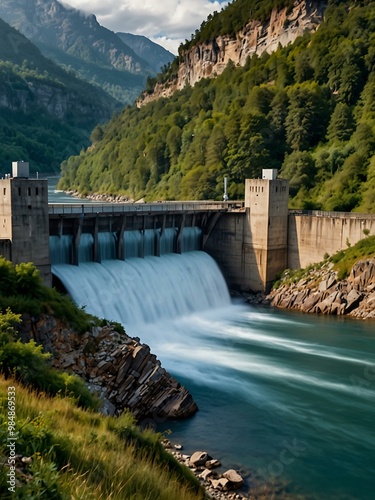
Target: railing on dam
column 334, row 215
column 168, row 206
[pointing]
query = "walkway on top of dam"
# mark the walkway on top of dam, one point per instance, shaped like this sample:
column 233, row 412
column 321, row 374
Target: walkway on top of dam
column 144, row 208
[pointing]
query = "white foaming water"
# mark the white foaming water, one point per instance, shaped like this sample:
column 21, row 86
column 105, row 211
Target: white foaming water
column 138, row 291
column 262, row 379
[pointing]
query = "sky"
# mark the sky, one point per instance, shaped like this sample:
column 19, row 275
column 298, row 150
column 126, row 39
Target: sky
column 166, row 22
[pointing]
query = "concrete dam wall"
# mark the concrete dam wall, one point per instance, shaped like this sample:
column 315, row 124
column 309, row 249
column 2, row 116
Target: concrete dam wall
column 252, row 241
column 313, row 234
column 310, row 235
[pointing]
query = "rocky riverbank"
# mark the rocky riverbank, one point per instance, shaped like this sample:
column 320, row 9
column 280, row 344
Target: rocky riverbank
column 219, row 486
column 221, row 483
column 119, row 369
column 320, row 291
column 105, row 198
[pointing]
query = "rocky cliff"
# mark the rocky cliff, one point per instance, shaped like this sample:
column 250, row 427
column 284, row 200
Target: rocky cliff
column 31, row 83
column 54, row 24
column 57, row 101
column 119, row 369
column 321, row 292
column 209, row 59
column 77, row 42
column 155, row 55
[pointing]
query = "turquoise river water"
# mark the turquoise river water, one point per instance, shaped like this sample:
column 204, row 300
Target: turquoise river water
column 281, row 395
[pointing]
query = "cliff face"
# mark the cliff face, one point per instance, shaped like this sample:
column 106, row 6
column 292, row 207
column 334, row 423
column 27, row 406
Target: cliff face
column 119, row 369
column 209, row 59
column 75, row 40
column 53, row 24
column 29, row 82
column 57, row 102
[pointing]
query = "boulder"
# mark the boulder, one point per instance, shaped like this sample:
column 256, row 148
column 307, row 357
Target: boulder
column 206, row 474
column 211, row 464
column 352, row 301
column 235, row 479
column 332, row 280
column 199, row 458
column 222, row 484
column 310, row 302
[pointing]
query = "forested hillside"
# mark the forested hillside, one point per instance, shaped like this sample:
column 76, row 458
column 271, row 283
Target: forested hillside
column 46, row 114
column 307, row 109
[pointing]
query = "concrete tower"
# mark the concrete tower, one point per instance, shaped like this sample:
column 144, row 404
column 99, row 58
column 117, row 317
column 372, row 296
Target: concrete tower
column 24, row 221
column 266, row 238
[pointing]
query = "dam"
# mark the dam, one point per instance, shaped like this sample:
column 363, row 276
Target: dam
column 251, row 240
column 268, row 381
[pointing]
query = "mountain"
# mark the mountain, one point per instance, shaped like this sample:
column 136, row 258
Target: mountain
column 217, row 43
column 156, row 56
column 78, row 42
column 306, row 109
column 46, row 114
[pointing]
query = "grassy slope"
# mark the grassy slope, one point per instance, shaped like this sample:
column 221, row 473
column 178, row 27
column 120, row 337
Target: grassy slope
column 76, row 453
column 87, row 456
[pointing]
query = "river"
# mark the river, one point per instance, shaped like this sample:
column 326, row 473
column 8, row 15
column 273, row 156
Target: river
column 281, row 395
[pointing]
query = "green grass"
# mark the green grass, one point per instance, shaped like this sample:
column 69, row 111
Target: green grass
column 345, row 259
column 22, row 290
column 78, row 454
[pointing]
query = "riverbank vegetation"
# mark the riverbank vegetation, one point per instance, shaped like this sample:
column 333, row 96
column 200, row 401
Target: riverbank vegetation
column 341, row 262
column 69, row 450
column 345, row 259
column 72, row 453
column 23, row 292
column 306, row 109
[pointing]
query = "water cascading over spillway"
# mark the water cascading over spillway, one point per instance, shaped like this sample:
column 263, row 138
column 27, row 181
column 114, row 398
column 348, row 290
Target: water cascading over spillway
column 140, row 290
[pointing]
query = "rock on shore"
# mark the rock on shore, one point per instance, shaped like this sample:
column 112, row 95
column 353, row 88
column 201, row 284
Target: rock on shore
column 321, row 292
column 105, row 198
column 119, row 369
column 218, row 486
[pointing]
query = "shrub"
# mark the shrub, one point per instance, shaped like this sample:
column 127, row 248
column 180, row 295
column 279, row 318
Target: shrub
column 28, row 364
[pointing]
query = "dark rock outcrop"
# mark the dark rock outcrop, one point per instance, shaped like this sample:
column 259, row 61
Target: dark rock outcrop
column 323, row 293
column 119, row 369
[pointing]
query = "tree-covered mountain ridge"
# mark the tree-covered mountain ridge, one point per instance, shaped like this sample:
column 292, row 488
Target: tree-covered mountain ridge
column 208, row 57
column 46, row 113
column 76, row 41
column 306, row 109
column 31, row 81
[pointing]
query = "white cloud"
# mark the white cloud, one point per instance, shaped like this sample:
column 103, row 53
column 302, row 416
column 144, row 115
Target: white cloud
column 167, row 22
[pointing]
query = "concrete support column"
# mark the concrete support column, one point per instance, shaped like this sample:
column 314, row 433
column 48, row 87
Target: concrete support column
column 76, row 239
column 142, row 249
column 120, row 251
column 96, row 249
column 179, row 234
column 266, row 235
column 157, row 244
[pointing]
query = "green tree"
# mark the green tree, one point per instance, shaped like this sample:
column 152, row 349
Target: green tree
column 341, row 125
column 216, row 146
column 299, row 168
column 307, row 118
column 174, row 143
column 303, row 68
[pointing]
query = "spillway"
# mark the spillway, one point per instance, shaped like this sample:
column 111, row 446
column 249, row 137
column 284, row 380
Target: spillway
column 141, row 290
